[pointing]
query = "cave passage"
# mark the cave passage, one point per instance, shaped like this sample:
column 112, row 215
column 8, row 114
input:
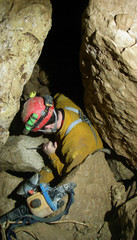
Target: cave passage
column 60, row 54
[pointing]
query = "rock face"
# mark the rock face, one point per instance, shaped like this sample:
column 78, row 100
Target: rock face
column 94, row 180
column 8, row 183
column 24, row 26
column 16, row 154
column 125, row 202
column 128, row 216
column 38, row 83
column 109, row 71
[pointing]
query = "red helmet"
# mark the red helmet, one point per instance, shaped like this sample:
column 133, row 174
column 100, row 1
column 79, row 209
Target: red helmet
column 36, row 113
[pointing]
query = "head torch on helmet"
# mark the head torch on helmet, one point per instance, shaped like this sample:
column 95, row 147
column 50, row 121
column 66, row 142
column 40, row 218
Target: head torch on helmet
column 37, row 112
column 30, row 123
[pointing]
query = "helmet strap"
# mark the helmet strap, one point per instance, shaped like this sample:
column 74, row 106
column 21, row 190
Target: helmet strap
column 54, row 128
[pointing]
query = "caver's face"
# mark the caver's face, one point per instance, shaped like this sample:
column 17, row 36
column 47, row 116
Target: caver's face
column 49, row 128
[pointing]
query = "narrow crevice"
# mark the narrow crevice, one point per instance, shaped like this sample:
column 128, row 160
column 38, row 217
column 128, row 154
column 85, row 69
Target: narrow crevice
column 60, row 55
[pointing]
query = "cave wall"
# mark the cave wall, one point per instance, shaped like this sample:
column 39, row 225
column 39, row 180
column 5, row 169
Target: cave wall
column 109, row 71
column 24, row 25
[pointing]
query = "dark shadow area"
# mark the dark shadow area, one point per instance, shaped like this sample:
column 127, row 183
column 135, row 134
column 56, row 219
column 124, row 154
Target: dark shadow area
column 114, row 223
column 17, row 126
column 118, row 158
column 60, row 55
column 112, row 217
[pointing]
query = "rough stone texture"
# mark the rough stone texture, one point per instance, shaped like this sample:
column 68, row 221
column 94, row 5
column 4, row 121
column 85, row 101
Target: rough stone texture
column 8, row 183
column 92, row 201
column 24, row 26
column 128, row 216
column 109, row 71
column 14, row 155
column 38, row 83
column 92, row 196
column 120, row 170
column 42, row 231
column 125, row 202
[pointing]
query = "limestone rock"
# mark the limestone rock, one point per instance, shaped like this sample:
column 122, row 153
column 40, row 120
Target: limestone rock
column 124, row 21
column 128, row 217
column 120, row 170
column 92, row 194
column 109, row 71
column 124, row 200
column 38, row 83
column 120, row 193
column 24, row 26
column 8, row 184
column 15, row 156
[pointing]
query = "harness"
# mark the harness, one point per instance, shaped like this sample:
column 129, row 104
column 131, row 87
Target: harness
column 82, row 118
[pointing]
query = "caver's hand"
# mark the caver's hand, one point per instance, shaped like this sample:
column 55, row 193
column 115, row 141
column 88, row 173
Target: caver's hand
column 50, row 147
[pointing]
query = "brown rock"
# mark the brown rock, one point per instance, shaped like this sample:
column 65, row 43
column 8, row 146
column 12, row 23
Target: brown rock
column 92, row 194
column 38, row 83
column 8, row 183
column 128, row 218
column 124, row 21
column 15, row 156
column 109, row 72
column 23, row 29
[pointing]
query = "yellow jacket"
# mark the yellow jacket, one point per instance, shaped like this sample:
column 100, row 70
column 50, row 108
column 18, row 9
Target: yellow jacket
column 75, row 146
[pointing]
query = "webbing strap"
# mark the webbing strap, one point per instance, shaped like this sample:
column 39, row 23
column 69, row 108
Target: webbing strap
column 84, row 119
column 95, row 136
column 47, row 197
column 73, row 124
column 72, row 109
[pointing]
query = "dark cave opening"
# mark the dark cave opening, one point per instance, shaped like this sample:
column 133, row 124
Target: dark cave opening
column 60, row 54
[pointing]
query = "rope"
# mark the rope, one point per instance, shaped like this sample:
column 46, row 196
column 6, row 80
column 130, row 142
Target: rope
column 105, row 150
column 71, row 221
column 3, row 232
column 3, row 227
column 23, row 229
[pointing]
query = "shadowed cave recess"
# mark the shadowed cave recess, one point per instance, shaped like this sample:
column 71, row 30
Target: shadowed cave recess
column 60, row 55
